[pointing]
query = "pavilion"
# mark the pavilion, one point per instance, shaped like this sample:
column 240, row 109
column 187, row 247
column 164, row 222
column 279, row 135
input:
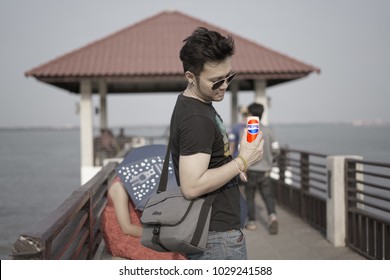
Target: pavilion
column 143, row 58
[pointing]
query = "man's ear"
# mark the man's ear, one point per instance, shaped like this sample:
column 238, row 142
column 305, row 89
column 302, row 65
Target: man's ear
column 190, row 77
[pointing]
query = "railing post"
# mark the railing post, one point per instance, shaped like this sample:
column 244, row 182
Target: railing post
column 335, row 203
column 305, row 183
column 282, row 163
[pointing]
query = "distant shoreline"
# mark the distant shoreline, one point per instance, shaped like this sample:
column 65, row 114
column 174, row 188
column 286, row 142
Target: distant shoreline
column 357, row 123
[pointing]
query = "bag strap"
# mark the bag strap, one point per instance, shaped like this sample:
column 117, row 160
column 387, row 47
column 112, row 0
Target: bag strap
column 162, row 185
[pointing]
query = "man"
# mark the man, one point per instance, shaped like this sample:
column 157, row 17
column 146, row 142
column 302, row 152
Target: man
column 258, row 175
column 199, row 143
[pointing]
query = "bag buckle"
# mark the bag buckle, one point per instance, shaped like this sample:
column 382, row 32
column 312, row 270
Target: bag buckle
column 156, row 230
column 156, row 234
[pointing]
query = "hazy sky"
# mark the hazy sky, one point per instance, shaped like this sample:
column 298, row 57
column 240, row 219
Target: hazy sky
column 348, row 40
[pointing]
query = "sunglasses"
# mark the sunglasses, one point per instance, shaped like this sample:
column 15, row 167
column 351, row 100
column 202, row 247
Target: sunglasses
column 219, row 83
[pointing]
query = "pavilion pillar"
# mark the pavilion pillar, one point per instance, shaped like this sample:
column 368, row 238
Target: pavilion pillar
column 103, row 104
column 261, row 97
column 234, row 87
column 86, row 130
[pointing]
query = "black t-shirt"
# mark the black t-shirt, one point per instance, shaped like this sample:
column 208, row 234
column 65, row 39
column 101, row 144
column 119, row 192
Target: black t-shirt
column 197, row 128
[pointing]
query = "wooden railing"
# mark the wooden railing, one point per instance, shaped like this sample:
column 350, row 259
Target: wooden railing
column 302, row 185
column 368, row 208
column 71, row 231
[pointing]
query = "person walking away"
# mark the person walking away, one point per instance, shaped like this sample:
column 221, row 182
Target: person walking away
column 258, row 175
column 199, row 142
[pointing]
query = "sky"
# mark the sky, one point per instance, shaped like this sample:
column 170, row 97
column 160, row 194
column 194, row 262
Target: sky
column 347, row 39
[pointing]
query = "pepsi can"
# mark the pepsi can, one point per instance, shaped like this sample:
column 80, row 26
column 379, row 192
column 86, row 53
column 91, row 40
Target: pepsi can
column 253, row 128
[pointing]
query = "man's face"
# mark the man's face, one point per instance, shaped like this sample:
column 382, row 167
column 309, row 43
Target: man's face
column 211, row 73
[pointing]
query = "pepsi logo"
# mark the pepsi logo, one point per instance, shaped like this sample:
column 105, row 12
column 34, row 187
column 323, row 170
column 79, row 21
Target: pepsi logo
column 253, row 129
column 253, row 126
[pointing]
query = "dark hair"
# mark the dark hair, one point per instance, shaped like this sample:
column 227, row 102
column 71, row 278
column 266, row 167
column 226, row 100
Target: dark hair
column 204, row 46
column 256, row 109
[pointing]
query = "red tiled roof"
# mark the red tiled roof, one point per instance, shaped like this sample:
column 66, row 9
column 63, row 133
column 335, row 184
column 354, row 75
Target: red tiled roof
column 150, row 48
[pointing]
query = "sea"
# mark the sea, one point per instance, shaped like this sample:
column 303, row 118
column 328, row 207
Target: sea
column 40, row 167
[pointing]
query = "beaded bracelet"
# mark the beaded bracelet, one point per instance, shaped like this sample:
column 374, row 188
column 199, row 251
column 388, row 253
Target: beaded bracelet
column 243, row 159
column 239, row 170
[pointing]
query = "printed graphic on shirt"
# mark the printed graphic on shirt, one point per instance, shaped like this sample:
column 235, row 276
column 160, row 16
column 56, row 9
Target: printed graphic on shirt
column 222, row 128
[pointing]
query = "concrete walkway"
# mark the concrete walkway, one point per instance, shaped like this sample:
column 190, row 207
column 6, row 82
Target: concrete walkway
column 296, row 240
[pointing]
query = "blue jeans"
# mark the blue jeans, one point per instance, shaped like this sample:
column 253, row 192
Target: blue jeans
column 227, row 245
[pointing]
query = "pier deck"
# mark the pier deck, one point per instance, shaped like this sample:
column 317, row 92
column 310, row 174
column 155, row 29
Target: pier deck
column 296, row 240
